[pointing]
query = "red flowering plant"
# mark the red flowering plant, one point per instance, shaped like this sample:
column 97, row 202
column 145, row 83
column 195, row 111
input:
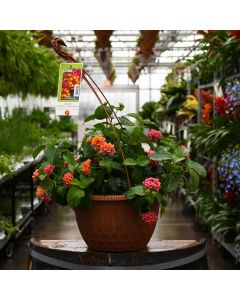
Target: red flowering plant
column 128, row 155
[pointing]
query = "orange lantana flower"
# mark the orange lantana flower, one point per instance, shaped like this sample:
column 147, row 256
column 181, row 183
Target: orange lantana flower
column 107, row 148
column 40, row 192
column 97, row 142
column 89, row 139
column 86, row 167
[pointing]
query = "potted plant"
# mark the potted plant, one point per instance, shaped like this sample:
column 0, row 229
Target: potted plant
column 117, row 179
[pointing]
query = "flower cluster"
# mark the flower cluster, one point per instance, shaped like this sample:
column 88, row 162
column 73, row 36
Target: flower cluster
column 35, row 175
column 235, row 33
column 86, row 167
column 149, row 217
column 100, row 144
column 97, row 141
column 154, row 135
column 67, row 178
column 42, row 195
column 154, row 163
column 49, row 169
column 152, row 183
column 108, row 148
column 229, row 172
column 231, row 101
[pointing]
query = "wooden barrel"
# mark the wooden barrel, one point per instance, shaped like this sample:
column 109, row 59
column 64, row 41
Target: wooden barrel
column 159, row 255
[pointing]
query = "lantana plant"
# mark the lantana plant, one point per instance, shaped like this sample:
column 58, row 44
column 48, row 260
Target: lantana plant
column 120, row 155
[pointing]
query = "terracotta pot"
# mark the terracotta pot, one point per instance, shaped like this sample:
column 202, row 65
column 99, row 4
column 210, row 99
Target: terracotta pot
column 113, row 225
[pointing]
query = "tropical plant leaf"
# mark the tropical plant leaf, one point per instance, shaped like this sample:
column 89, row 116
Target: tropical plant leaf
column 196, row 167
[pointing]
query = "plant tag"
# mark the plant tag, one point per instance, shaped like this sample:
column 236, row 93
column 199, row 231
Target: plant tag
column 70, row 77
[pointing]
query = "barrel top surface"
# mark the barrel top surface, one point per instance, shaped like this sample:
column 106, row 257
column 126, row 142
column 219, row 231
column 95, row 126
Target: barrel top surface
column 74, row 254
column 80, row 246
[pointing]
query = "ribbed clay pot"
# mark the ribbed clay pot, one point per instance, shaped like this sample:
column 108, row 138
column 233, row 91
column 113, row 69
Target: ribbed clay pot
column 113, row 225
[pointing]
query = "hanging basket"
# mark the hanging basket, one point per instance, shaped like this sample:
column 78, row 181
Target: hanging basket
column 112, row 224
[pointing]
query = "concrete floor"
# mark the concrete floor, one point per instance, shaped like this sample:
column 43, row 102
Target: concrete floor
column 176, row 223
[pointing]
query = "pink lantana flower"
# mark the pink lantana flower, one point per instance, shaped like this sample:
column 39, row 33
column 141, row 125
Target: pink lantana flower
column 154, row 135
column 152, row 183
column 149, row 217
column 154, row 163
column 49, row 169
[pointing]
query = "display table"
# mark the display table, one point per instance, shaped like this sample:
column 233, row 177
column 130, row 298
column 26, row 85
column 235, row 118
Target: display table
column 159, row 255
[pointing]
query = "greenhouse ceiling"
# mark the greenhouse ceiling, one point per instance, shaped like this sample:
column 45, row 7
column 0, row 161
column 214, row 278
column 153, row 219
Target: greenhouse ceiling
column 171, row 47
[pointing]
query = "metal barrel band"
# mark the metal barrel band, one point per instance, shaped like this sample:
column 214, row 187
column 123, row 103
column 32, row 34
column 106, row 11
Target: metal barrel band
column 73, row 266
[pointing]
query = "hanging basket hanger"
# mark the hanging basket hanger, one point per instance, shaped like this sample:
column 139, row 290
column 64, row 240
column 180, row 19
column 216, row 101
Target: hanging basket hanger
column 56, row 45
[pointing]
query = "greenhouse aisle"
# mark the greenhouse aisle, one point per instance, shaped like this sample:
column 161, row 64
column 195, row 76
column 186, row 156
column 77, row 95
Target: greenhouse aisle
column 177, row 223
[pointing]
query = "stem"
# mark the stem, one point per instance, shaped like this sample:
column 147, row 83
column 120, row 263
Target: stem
column 84, row 72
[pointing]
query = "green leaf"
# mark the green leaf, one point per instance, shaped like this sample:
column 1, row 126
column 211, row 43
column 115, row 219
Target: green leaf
column 37, row 150
column 143, row 160
column 74, row 197
column 48, row 184
column 181, row 152
column 149, row 124
column 42, row 176
column 106, row 163
column 99, row 126
column 69, row 158
column 125, row 121
column 100, row 112
column 114, row 184
column 171, row 182
column 50, row 154
column 194, row 179
column 138, row 190
column 118, row 166
column 196, row 167
column 85, row 181
column 65, row 144
column 71, row 168
column 177, row 159
column 75, row 182
column 60, row 195
column 134, row 133
column 161, row 154
column 138, row 175
column 88, row 150
column 136, row 116
column 130, row 162
column 89, row 118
